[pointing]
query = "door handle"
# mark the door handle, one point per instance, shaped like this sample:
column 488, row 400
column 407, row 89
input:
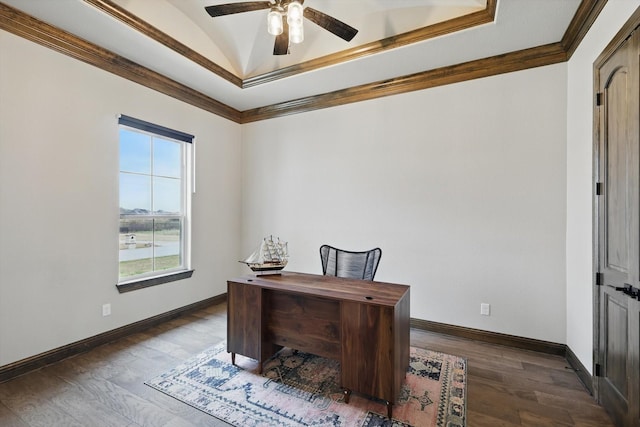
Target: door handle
column 627, row 289
column 622, row 288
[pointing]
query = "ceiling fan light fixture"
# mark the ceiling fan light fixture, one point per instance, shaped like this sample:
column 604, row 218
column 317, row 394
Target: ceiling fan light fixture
column 291, row 31
column 274, row 22
column 296, row 34
column 295, row 13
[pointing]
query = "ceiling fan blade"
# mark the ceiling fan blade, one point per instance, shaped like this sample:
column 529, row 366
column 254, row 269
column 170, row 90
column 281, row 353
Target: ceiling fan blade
column 331, row 24
column 231, row 8
column 281, row 45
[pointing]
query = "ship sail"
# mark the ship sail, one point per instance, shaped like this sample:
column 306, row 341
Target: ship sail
column 270, row 256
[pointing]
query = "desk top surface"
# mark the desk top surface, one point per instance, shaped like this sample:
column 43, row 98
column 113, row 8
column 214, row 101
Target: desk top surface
column 365, row 291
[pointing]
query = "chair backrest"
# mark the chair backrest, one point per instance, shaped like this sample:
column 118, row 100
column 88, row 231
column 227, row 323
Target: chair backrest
column 349, row 264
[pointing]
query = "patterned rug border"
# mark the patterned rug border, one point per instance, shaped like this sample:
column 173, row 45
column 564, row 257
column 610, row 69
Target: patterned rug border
column 451, row 406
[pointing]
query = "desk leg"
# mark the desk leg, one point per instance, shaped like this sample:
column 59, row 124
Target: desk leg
column 233, row 358
column 347, row 395
column 389, row 409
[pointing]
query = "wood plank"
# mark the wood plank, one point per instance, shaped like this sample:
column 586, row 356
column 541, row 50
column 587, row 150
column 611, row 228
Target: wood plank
column 368, row 364
column 132, row 380
column 536, row 389
column 244, row 327
column 33, row 399
column 307, row 324
column 483, row 420
column 495, row 398
column 338, row 288
column 9, row 419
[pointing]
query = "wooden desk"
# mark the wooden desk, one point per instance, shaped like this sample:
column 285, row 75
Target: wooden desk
column 363, row 324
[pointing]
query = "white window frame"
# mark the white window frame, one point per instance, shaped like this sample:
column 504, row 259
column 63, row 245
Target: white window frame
column 187, row 149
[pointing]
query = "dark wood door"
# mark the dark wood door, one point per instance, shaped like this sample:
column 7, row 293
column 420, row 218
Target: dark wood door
column 619, row 234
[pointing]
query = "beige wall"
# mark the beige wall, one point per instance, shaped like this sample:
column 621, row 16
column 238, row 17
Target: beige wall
column 462, row 186
column 59, row 200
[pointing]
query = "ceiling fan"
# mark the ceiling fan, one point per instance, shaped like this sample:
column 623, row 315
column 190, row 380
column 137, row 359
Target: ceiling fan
column 289, row 30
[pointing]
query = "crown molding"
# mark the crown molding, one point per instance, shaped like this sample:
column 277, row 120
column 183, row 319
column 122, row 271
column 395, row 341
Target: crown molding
column 464, row 22
column 457, row 24
column 152, row 32
column 585, row 16
column 623, row 34
column 506, row 63
column 30, row 28
column 582, row 21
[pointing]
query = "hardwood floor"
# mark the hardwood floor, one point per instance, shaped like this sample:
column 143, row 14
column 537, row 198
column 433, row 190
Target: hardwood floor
column 105, row 387
column 511, row 387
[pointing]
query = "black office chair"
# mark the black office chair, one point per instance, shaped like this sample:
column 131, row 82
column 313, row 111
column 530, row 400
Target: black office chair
column 349, row 264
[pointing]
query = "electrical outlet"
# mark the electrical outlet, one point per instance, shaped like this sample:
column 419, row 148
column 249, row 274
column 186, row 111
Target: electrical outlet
column 106, row 309
column 485, row 309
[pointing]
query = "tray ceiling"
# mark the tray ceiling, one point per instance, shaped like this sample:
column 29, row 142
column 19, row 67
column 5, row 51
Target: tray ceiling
column 229, row 58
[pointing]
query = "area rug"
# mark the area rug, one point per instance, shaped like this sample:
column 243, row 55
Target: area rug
column 299, row 389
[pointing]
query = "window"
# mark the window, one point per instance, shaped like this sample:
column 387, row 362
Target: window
column 154, row 204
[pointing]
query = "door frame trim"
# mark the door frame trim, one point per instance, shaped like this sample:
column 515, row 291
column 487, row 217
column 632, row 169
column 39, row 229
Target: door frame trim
column 623, row 34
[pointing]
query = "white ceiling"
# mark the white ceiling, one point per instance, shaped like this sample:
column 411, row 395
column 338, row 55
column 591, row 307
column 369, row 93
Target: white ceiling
column 240, row 43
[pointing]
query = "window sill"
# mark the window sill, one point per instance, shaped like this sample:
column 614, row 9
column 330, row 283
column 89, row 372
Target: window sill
column 136, row 284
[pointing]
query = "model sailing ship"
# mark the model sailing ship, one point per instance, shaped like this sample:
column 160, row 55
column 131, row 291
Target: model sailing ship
column 269, row 258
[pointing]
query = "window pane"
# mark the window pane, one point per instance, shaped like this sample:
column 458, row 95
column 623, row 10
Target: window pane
column 153, row 201
column 167, row 159
column 166, row 195
column 135, row 194
column 167, row 243
column 136, row 247
column 135, row 152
